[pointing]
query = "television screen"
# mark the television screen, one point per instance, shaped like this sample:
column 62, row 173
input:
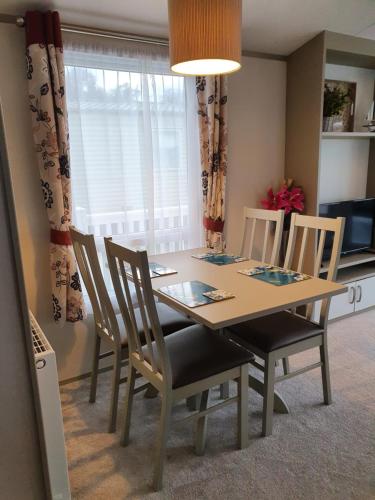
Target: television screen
column 359, row 224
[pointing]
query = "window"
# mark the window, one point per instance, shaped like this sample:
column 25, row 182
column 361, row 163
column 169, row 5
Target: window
column 134, row 149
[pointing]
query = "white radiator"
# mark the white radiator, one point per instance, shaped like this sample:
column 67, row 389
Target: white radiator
column 45, row 363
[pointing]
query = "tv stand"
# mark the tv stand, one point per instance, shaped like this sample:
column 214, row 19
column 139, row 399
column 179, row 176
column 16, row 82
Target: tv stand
column 352, row 260
column 357, row 271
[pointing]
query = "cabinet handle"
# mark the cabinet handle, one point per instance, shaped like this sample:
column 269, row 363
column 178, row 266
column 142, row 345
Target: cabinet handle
column 359, row 289
column 351, row 295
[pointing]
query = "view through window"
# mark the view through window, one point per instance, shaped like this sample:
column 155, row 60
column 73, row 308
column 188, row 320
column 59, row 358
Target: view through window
column 134, row 156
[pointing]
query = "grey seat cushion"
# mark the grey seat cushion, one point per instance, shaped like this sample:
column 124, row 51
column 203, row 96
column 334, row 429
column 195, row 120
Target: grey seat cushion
column 275, row 331
column 197, row 353
column 113, row 298
column 170, row 321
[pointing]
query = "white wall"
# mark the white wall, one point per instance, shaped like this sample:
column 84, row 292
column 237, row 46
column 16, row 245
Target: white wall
column 256, row 160
column 343, row 170
column 256, row 122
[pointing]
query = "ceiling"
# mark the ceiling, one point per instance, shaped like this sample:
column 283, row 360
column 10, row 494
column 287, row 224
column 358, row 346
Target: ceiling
column 270, row 26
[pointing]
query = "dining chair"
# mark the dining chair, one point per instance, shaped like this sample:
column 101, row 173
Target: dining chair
column 252, row 216
column 251, row 219
column 283, row 334
column 186, row 363
column 108, row 324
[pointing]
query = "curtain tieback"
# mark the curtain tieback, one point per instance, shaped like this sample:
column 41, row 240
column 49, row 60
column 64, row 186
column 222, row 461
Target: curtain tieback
column 60, row 237
column 215, row 225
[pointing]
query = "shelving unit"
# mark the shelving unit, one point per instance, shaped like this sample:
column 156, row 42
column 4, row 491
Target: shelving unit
column 348, row 135
column 353, row 267
column 324, row 167
column 355, row 273
column 355, row 259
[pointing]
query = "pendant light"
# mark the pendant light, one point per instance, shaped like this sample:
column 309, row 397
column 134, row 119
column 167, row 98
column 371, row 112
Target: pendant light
column 205, row 36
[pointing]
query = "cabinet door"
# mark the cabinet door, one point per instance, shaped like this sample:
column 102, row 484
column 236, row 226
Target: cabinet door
column 365, row 294
column 341, row 305
column 344, row 303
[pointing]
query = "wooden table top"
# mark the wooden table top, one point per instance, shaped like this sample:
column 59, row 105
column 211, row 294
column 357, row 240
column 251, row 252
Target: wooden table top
column 253, row 298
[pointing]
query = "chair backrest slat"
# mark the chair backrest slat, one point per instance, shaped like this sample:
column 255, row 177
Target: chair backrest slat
column 322, row 225
column 88, row 263
column 137, row 267
column 252, row 237
column 303, row 249
column 253, row 215
column 88, row 280
column 145, row 322
column 132, row 317
column 319, row 255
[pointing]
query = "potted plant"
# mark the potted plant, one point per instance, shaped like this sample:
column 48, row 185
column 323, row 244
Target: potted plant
column 334, row 103
column 289, row 198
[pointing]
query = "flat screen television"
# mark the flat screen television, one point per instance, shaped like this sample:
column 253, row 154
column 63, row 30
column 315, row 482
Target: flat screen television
column 359, row 224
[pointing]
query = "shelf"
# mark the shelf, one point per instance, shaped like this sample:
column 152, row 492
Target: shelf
column 355, row 259
column 355, row 273
column 347, row 135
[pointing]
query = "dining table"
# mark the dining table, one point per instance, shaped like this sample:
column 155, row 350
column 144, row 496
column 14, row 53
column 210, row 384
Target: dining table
column 252, row 298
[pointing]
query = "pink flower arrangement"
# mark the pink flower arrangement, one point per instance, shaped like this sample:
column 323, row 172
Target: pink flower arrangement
column 288, row 198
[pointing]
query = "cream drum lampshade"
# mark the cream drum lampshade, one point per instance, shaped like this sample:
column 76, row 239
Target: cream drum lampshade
column 205, row 36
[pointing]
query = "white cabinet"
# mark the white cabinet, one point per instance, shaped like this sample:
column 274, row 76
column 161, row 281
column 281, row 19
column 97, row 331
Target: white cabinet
column 364, row 294
column 343, row 304
column 360, row 295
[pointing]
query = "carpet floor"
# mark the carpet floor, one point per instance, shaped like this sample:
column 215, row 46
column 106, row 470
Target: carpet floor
column 315, row 452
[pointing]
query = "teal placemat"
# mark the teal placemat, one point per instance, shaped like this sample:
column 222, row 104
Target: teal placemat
column 159, row 270
column 274, row 275
column 195, row 293
column 220, row 259
column 156, row 270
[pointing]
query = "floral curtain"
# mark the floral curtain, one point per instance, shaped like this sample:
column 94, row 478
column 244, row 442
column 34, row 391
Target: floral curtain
column 45, row 73
column 212, row 116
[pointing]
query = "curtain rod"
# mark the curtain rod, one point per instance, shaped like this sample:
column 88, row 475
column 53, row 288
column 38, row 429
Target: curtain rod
column 72, row 28
column 86, row 30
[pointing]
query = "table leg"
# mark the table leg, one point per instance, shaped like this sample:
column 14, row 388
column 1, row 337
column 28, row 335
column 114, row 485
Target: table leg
column 279, row 405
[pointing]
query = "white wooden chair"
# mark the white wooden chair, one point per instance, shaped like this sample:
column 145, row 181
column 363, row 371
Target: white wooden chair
column 109, row 325
column 252, row 216
column 188, row 362
column 286, row 333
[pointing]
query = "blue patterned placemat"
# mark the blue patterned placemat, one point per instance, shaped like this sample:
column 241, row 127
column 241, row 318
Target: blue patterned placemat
column 160, row 270
column 156, row 270
column 195, row 293
column 220, row 259
column 274, row 275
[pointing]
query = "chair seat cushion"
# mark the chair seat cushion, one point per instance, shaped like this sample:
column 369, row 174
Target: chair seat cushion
column 170, row 321
column 275, row 331
column 196, row 353
column 113, row 298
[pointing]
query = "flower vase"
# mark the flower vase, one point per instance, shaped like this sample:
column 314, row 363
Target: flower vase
column 329, row 122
